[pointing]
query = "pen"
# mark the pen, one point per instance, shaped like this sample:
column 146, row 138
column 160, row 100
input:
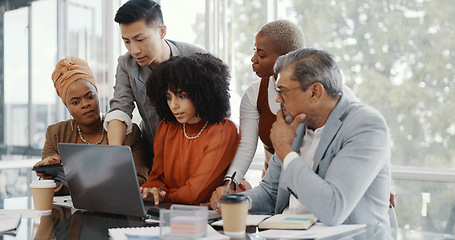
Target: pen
column 227, row 187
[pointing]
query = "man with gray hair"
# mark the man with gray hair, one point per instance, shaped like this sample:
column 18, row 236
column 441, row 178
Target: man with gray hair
column 333, row 160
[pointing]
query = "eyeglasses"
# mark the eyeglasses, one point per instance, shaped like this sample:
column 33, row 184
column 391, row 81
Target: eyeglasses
column 281, row 92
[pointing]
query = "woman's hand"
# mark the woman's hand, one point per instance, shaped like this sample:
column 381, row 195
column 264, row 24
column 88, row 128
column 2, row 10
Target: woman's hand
column 153, row 194
column 49, row 160
column 46, row 161
column 218, row 193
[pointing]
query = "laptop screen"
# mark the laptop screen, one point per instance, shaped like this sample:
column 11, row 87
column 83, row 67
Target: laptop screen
column 102, row 178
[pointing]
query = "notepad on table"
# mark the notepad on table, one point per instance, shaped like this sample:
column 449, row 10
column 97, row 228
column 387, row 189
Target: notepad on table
column 288, row 221
column 9, row 222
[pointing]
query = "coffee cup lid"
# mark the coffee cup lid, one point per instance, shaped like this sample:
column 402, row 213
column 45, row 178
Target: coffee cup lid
column 233, row 198
column 43, row 184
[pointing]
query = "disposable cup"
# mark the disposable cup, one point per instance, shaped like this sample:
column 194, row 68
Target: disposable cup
column 43, row 194
column 234, row 209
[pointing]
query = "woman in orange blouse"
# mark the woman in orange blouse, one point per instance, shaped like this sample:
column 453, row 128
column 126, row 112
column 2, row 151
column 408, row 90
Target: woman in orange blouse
column 195, row 142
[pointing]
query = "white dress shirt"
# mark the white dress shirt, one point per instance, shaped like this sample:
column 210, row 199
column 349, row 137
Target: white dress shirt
column 307, row 151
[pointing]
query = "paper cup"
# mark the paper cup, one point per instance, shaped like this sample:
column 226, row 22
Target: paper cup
column 234, row 209
column 43, row 194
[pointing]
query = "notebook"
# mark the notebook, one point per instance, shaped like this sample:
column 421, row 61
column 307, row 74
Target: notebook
column 102, row 178
column 288, row 221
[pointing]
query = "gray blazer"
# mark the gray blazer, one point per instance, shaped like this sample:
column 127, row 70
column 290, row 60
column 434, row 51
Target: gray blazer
column 130, row 88
column 350, row 179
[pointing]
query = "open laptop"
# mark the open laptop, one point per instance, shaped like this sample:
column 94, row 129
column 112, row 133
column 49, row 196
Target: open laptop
column 103, row 178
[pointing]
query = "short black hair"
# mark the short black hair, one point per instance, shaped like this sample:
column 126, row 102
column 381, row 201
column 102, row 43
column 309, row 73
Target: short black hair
column 205, row 79
column 134, row 10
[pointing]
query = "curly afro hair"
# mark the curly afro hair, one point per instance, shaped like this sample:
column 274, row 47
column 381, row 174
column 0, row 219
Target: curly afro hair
column 204, row 78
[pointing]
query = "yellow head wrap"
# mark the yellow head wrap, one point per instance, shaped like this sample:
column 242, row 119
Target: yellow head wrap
column 67, row 71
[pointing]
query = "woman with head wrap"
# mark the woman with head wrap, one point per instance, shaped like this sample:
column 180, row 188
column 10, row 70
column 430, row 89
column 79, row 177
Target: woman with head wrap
column 74, row 83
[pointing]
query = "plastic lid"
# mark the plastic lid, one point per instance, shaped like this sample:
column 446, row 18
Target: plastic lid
column 43, row 184
column 233, row 198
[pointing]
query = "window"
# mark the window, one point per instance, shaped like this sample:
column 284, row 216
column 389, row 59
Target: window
column 36, row 36
column 396, row 57
column 183, row 25
column 16, row 76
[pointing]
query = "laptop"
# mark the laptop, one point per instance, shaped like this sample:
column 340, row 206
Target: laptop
column 102, row 178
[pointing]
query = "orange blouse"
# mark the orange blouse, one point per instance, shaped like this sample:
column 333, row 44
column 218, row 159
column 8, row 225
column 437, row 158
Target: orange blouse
column 190, row 170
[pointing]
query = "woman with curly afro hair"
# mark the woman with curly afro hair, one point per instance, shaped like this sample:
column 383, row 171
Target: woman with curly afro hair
column 195, row 142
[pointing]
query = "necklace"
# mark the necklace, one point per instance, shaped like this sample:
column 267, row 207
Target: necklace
column 85, row 141
column 199, row 134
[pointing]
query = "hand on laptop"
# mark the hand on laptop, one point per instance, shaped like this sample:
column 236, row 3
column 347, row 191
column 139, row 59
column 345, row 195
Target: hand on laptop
column 153, row 194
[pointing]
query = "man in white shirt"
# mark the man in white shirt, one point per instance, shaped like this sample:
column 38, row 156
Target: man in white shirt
column 333, row 160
